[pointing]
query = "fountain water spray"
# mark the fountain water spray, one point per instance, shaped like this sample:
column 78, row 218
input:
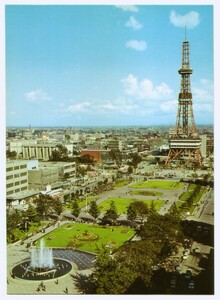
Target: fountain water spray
column 42, row 258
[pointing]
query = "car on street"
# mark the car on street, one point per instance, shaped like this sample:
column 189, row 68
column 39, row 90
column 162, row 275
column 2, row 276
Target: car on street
column 186, row 251
column 197, row 250
column 191, row 285
column 178, row 267
column 173, row 281
column 185, row 256
column 188, row 274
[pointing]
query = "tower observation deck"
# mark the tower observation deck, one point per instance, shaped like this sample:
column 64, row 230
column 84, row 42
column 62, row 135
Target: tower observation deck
column 185, row 142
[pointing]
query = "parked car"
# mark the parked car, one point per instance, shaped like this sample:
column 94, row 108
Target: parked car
column 191, row 285
column 186, row 251
column 185, row 256
column 188, row 274
column 197, row 250
column 178, row 267
column 173, row 281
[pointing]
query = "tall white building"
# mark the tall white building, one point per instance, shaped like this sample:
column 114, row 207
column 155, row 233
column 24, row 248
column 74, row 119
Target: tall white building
column 16, row 177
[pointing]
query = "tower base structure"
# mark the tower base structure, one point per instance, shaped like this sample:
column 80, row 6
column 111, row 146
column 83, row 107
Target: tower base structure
column 185, row 149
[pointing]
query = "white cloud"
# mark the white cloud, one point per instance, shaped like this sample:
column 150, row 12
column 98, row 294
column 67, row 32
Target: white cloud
column 169, row 106
column 79, row 107
column 132, row 8
column 203, row 91
column 189, row 20
column 137, row 45
column 133, row 23
column 145, row 89
column 203, row 107
column 37, row 96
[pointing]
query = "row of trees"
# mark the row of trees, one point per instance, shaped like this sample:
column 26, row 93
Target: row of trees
column 136, row 210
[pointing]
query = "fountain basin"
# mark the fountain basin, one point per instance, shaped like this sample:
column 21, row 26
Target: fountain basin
column 24, row 270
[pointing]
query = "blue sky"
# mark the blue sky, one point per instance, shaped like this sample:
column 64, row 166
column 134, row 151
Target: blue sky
column 94, row 65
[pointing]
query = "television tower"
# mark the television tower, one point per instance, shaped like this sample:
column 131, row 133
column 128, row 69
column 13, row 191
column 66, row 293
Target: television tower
column 184, row 142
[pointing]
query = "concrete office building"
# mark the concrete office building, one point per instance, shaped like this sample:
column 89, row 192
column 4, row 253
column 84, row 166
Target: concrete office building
column 42, row 151
column 40, row 178
column 65, row 169
column 17, row 191
column 51, row 173
column 16, row 177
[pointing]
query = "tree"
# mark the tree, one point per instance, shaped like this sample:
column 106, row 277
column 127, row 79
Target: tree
column 57, row 206
column 137, row 209
column 75, row 208
column 111, row 213
column 116, row 156
column 43, row 204
column 174, row 210
column 11, row 154
column 131, row 212
column 60, row 154
column 94, row 210
column 67, row 137
column 130, row 169
column 135, row 159
column 31, row 213
column 14, row 219
column 110, row 276
column 152, row 208
column 87, row 159
column 161, row 229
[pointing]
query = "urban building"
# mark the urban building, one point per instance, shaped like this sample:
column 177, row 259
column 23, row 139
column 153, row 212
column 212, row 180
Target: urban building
column 98, row 155
column 42, row 151
column 16, row 177
column 17, row 190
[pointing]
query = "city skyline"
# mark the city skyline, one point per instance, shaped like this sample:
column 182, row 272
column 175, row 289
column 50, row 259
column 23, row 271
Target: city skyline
column 97, row 65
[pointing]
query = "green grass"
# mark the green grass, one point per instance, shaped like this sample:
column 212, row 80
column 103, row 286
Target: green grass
column 82, row 203
column 122, row 183
column 145, row 193
column 185, row 196
column 33, row 227
column 123, row 203
column 183, row 206
column 65, row 236
column 162, row 184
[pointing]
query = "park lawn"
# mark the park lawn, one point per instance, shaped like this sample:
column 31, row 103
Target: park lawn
column 186, row 195
column 66, row 236
column 145, row 193
column 82, row 203
column 123, row 203
column 161, row 184
column 122, row 183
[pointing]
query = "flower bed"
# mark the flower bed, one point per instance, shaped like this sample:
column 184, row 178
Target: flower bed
column 86, row 236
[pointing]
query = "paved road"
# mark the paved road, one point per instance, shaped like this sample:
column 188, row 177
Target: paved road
column 205, row 211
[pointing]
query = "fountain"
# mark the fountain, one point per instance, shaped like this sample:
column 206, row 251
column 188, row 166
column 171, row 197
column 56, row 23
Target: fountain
column 42, row 265
column 42, row 258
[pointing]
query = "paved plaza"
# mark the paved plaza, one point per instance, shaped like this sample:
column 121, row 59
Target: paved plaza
column 81, row 264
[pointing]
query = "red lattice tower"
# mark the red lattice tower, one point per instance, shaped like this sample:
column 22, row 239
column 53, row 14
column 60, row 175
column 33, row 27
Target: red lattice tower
column 185, row 142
